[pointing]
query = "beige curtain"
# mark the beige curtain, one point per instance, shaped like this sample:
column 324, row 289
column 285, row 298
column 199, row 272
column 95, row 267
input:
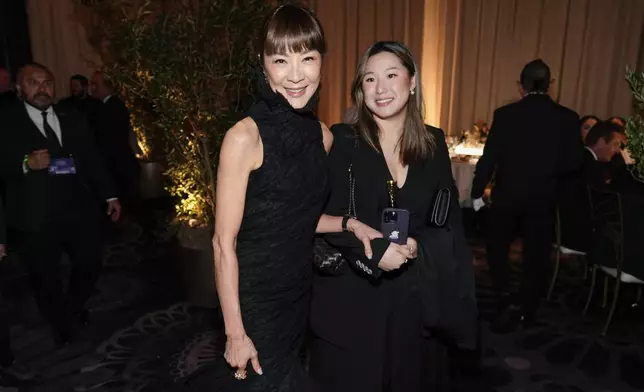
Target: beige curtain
column 58, row 42
column 470, row 51
column 475, row 50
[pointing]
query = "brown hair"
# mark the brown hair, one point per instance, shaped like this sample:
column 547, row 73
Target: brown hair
column 291, row 28
column 416, row 142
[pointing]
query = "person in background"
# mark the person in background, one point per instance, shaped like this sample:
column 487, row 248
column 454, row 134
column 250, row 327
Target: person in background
column 621, row 121
column 48, row 165
column 113, row 135
column 603, row 143
column 7, row 93
column 586, row 123
column 525, row 188
column 79, row 97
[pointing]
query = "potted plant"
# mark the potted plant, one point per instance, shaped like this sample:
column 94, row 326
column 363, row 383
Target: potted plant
column 635, row 124
column 192, row 63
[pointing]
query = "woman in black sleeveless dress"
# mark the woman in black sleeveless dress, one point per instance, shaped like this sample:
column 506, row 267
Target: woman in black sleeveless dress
column 271, row 187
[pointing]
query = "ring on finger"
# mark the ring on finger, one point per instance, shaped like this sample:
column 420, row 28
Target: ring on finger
column 239, row 375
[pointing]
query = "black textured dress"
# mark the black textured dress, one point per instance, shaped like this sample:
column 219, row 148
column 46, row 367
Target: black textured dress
column 284, row 201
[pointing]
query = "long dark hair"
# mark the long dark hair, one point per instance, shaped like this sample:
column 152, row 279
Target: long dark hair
column 416, row 142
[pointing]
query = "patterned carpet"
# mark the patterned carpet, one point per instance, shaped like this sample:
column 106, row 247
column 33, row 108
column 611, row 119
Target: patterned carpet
column 144, row 337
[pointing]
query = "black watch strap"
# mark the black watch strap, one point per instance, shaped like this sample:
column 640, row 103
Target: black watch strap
column 345, row 219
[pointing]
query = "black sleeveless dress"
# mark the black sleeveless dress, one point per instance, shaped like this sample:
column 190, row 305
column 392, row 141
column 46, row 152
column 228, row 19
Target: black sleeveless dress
column 284, row 201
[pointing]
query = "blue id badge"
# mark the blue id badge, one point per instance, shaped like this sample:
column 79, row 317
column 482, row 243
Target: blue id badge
column 62, row 166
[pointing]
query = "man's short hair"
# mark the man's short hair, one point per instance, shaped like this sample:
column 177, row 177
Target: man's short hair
column 33, row 65
column 602, row 130
column 81, row 78
column 535, row 76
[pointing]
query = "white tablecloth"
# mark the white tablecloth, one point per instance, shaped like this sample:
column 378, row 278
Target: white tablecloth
column 463, row 173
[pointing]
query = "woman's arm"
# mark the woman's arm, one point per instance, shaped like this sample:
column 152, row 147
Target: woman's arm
column 241, row 152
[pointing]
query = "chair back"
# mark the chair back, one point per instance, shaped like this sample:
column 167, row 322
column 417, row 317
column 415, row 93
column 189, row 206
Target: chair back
column 608, row 219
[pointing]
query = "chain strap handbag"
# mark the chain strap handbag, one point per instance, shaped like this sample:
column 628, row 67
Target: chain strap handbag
column 326, row 259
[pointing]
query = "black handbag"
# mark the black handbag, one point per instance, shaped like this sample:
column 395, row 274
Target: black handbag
column 326, row 259
column 440, row 211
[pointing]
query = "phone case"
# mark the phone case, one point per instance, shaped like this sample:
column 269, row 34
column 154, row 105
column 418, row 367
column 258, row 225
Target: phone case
column 395, row 225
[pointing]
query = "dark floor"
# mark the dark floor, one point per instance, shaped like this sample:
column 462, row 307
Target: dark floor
column 145, row 337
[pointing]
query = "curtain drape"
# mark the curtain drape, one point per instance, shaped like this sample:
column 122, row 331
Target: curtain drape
column 470, row 51
column 59, row 42
column 351, row 27
column 475, row 50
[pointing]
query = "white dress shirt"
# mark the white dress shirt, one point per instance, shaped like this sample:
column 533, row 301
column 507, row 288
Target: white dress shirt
column 592, row 152
column 52, row 120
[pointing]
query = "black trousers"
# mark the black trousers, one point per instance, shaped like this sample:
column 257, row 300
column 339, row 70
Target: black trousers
column 536, row 228
column 78, row 236
column 6, row 355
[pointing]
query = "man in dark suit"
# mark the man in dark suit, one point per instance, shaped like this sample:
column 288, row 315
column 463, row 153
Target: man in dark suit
column 525, row 177
column 7, row 95
column 48, row 164
column 80, row 99
column 114, row 139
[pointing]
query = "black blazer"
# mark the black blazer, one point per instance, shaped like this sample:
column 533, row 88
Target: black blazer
column 112, row 132
column 3, row 229
column 532, row 142
column 443, row 272
column 27, row 195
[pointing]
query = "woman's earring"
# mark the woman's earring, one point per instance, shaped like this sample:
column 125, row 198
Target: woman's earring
column 412, row 92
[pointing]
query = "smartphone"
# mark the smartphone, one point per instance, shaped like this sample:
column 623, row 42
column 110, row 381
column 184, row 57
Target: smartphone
column 395, row 225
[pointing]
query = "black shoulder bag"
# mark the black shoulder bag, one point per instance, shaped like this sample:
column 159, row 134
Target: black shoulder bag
column 326, row 259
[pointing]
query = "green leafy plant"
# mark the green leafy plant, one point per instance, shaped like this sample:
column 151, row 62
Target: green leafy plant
column 192, row 63
column 635, row 124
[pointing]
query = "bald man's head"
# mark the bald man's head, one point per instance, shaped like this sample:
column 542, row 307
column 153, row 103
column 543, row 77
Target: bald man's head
column 100, row 85
column 36, row 86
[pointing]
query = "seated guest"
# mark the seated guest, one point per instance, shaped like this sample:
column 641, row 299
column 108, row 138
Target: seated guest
column 603, row 143
column 618, row 120
column 586, row 123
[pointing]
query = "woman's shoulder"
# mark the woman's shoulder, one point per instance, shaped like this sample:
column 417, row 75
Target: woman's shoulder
column 436, row 132
column 244, row 132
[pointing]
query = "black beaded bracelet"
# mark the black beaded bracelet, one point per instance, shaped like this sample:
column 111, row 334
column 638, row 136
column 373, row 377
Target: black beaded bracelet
column 345, row 219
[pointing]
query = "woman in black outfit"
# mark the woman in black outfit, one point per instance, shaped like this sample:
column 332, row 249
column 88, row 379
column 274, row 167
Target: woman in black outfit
column 271, row 189
column 369, row 322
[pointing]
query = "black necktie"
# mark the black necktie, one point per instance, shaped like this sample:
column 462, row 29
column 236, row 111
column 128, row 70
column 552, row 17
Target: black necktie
column 49, row 131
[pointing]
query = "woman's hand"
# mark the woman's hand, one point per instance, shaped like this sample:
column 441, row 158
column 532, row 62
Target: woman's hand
column 395, row 256
column 238, row 352
column 412, row 246
column 364, row 233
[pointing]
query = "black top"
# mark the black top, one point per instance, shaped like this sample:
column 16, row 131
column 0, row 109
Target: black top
column 531, row 143
column 371, row 196
column 443, row 272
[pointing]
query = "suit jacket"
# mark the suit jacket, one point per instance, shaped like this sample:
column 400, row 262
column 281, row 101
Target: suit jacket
column 3, row 229
column 532, row 142
column 28, row 195
column 113, row 132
